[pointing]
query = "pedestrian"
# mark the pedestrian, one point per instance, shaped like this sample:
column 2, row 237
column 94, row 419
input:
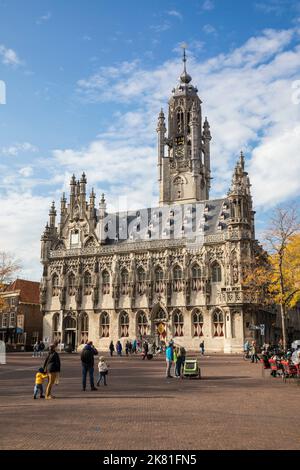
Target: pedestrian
column 127, row 348
column 103, row 371
column 169, row 359
column 130, row 347
column 52, row 368
column 134, row 346
column 247, row 348
column 145, row 350
column 254, row 351
column 202, row 347
column 42, row 348
column 40, row 376
column 119, row 348
column 111, row 348
column 36, row 349
column 180, row 361
column 87, row 361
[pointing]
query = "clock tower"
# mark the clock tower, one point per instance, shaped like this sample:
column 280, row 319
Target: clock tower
column 184, row 154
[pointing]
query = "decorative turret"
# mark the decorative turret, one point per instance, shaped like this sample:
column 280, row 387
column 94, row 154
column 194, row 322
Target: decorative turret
column 72, row 192
column 102, row 207
column 161, row 132
column 92, row 211
column 239, row 196
column 52, row 215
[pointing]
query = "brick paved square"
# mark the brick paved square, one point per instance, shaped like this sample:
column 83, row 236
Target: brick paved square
column 234, row 406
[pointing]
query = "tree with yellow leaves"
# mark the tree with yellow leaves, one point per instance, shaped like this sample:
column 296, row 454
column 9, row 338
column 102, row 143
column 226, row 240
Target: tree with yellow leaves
column 273, row 276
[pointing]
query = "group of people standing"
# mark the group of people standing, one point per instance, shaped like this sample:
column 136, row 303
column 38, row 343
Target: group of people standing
column 38, row 349
column 175, row 355
column 131, row 347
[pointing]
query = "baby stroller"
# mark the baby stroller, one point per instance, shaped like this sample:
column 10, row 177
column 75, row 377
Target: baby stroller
column 191, row 369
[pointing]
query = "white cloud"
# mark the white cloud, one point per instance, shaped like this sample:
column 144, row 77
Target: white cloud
column 26, row 171
column 9, row 56
column 161, row 27
column 17, row 148
column 275, row 166
column 23, row 217
column 44, row 18
column 175, row 13
column 209, row 29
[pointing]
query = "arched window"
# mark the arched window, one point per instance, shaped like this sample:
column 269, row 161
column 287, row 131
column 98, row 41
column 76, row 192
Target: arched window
column 71, row 283
column 124, row 325
column 104, row 325
column 87, row 283
column 216, row 272
column 105, row 282
column 141, row 275
column 55, row 285
column 159, row 280
column 84, row 327
column 159, row 274
column 196, row 277
column 180, row 121
column 56, row 335
column 142, row 324
column 124, row 282
column 218, row 323
column 141, row 278
column 178, row 323
column 197, row 323
column 160, row 315
column 177, row 279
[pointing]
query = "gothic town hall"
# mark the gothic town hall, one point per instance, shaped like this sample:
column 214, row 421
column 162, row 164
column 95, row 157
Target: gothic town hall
column 171, row 271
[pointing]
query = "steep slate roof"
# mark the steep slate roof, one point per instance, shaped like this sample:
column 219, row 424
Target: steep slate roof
column 29, row 290
column 200, row 218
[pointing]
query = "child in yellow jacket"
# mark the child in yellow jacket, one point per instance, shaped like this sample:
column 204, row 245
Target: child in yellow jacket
column 39, row 379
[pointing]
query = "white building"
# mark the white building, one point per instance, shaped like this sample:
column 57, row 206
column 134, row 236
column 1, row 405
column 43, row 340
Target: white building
column 173, row 271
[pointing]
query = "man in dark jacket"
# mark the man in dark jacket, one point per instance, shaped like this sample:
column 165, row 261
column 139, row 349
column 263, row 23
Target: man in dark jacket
column 52, row 368
column 87, row 361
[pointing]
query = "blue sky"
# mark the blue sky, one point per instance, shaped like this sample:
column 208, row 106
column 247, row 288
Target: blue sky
column 86, row 80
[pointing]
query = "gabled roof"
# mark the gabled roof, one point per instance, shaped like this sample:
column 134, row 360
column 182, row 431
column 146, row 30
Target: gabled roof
column 29, row 290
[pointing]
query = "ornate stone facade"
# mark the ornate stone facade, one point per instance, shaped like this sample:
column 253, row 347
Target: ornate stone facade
column 172, row 271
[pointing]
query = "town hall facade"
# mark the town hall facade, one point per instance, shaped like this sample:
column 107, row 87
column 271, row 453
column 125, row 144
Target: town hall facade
column 169, row 272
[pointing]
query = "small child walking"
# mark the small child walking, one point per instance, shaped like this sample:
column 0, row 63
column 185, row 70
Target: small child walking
column 103, row 371
column 38, row 387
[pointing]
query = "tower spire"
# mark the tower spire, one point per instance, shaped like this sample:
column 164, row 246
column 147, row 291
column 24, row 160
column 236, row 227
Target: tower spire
column 185, row 77
column 184, row 57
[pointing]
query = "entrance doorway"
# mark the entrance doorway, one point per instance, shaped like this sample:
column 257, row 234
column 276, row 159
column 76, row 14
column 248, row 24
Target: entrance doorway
column 159, row 319
column 70, row 338
column 69, row 332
